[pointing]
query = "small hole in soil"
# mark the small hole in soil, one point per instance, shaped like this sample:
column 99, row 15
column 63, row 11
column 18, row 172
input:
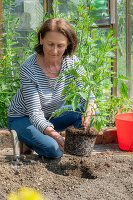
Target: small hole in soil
column 81, row 172
column 86, row 173
column 73, row 169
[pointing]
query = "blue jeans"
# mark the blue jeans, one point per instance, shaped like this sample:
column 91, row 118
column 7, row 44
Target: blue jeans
column 43, row 144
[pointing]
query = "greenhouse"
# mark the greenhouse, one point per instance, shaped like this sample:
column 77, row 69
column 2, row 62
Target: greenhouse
column 66, row 99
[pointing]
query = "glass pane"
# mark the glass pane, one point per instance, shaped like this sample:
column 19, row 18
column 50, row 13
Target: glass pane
column 121, row 63
column 101, row 11
column 30, row 15
column 69, row 6
column 30, row 12
column 121, row 53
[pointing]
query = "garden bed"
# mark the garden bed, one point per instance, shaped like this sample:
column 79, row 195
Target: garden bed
column 106, row 175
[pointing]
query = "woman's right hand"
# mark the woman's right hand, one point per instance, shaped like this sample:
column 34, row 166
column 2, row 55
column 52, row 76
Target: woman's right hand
column 56, row 136
column 60, row 140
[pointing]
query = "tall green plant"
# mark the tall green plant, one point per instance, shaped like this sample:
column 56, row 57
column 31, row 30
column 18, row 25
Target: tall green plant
column 12, row 56
column 95, row 53
column 9, row 62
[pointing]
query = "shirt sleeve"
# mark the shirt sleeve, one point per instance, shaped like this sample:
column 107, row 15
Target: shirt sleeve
column 32, row 99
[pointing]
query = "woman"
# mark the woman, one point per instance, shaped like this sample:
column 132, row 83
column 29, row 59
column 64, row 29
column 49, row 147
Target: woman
column 40, row 92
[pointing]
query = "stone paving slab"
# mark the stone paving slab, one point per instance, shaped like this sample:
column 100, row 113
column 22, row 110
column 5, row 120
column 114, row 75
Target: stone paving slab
column 98, row 149
column 110, row 148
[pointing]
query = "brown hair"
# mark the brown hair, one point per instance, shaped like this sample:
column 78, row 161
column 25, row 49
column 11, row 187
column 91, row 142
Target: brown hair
column 59, row 25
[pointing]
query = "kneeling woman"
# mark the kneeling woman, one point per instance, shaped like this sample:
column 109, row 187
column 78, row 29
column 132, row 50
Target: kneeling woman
column 40, row 92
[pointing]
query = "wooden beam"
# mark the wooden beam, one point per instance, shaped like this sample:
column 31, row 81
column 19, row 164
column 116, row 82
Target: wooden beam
column 49, row 6
column 0, row 12
column 45, row 6
column 112, row 11
column 1, row 43
column 128, row 44
column 114, row 26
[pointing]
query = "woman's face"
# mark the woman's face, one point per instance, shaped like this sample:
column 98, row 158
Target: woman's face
column 54, row 45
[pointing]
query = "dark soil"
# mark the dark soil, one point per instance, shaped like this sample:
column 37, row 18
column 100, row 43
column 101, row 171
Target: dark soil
column 90, row 131
column 79, row 142
column 106, row 176
column 5, row 139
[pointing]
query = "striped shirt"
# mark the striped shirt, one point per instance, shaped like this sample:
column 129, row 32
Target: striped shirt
column 40, row 95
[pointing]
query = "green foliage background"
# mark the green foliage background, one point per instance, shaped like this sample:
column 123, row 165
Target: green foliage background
column 13, row 56
column 95, row 52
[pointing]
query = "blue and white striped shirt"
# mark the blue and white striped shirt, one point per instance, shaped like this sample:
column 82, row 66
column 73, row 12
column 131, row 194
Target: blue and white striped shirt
column 40, row 95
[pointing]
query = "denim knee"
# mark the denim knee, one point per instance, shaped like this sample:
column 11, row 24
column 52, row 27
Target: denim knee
column 55, row 152
column 52, row 150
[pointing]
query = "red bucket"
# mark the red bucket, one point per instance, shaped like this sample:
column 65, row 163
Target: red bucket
column 124, row 126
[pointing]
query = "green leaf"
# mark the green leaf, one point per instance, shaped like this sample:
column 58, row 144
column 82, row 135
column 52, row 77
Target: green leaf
column 115, row 83
column 124, row 90
column 74, row 72
column 58, row 112
column 68, row 96
column 123, row 77
column 65, row 89
column 83, row 78
column 91, row 121
column 84, row 95
column 75, row 102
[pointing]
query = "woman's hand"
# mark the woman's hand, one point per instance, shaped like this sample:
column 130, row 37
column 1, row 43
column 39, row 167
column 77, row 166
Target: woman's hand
column 56, row 136
column 86, row 122
column 91, row 111
column 60, row 140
